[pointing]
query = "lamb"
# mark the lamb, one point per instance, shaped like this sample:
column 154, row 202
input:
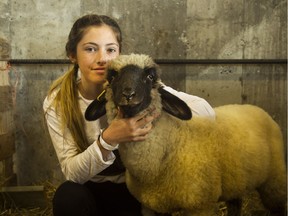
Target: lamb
column 186, row 167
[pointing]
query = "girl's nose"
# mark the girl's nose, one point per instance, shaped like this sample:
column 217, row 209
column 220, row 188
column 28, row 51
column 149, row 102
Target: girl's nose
column 101, row 58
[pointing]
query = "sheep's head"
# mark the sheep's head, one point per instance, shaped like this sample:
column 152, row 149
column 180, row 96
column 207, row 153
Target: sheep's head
column 132, row 83
column 132, row 88
column 131, row 79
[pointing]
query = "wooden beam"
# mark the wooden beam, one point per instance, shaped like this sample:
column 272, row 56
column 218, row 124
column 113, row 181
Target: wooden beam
column 25, row 196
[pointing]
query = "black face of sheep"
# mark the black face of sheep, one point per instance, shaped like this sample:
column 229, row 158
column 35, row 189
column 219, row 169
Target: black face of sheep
column 131, row 88
column 131, row 85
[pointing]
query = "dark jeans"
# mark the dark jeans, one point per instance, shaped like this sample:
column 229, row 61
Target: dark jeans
column 94, row 199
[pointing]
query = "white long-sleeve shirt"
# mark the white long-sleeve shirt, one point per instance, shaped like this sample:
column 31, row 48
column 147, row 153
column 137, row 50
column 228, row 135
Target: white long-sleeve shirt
column 85, row 166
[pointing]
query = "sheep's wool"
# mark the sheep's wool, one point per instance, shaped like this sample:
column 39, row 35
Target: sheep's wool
column 185, row 167
column 140, row 60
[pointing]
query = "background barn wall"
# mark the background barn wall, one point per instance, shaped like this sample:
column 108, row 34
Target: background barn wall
column 174, row 29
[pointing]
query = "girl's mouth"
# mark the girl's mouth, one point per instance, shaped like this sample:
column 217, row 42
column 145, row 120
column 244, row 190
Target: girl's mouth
column 99, row 69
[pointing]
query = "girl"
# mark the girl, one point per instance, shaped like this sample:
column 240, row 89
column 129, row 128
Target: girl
column 86, row 152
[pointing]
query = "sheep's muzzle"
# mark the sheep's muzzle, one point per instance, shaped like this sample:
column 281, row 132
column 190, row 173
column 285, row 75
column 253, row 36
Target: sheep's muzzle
column 131, row 110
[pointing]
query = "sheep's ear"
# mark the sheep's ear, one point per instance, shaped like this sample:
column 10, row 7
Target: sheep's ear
column 97, row 108
column 174, row 105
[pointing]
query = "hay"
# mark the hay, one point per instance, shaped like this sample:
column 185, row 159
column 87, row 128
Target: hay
column 27, row 212
column 9, row 208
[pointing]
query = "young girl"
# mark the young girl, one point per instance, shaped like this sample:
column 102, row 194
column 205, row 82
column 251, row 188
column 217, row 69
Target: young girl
column 87, row 151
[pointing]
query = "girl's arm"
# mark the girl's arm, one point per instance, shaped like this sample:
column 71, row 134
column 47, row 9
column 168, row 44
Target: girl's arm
column 76, row 167
column 198, row 106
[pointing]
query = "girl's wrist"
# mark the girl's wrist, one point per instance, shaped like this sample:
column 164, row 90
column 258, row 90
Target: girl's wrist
column 106, row 145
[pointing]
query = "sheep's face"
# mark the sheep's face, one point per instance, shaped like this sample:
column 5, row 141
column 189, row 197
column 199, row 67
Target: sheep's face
column 131, row 87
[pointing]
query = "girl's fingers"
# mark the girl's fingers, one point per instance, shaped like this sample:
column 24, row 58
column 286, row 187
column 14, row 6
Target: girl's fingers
column 144, row 121
column 119, row 114
column 141, row 116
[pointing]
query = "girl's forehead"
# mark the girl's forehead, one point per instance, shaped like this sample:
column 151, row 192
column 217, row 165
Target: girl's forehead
column 101, row 33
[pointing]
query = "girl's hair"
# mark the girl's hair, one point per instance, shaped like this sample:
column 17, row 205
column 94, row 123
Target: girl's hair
column 66, row 100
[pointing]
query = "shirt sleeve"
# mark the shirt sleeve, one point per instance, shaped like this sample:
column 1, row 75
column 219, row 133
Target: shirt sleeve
column 76, row 167
column 198, row 106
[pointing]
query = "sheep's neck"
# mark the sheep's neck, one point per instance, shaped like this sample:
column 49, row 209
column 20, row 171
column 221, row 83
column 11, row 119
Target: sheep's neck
column 147, row 159
column 143, row 158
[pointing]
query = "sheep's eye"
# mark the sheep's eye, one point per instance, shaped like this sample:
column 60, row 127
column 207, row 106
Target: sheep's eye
column 150, row 77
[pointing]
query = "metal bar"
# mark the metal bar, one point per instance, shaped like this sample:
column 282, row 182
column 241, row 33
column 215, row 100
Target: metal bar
column 221, row 61
column 39, row 61
column 161, row 61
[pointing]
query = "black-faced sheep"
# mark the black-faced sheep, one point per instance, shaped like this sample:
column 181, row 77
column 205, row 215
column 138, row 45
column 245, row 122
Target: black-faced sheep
column 186, row 167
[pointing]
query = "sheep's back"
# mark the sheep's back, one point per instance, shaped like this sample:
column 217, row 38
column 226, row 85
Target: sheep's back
column 240, row 149
column 250, row 146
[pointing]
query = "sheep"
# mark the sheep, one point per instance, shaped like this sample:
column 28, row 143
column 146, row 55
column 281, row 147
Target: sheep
column 186, row 167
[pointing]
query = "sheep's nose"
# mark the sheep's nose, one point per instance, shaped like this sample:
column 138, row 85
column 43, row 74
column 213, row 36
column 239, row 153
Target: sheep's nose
column 128, row 94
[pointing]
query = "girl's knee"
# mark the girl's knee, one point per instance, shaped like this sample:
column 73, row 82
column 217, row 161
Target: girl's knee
column 73, row 199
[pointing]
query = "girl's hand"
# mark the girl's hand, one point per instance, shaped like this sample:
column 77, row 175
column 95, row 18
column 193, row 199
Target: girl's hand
column 129, row 129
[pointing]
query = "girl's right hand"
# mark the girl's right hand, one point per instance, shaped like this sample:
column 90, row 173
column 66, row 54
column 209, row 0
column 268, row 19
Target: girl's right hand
column 129, row 129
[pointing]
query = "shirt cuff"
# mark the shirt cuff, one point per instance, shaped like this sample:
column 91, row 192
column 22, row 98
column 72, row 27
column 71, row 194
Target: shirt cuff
column 105, row 161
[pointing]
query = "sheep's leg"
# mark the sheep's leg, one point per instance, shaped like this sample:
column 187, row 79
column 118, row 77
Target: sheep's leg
column 234, row 207
column 208, row 211
column 147, row 211
column 273, row 195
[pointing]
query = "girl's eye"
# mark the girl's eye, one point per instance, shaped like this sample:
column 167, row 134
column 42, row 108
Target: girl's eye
column 111, row 50
column 91, row 49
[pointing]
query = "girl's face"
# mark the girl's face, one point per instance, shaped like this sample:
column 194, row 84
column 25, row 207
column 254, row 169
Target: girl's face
column 98, row 46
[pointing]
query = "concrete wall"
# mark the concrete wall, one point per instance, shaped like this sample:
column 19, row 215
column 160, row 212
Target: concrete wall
column 174, row 29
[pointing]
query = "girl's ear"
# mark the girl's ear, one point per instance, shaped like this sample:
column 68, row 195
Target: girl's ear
column 97, row 108
column 174, row 105
column 72, row 59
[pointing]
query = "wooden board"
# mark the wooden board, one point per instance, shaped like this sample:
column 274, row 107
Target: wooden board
column 25, row 196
